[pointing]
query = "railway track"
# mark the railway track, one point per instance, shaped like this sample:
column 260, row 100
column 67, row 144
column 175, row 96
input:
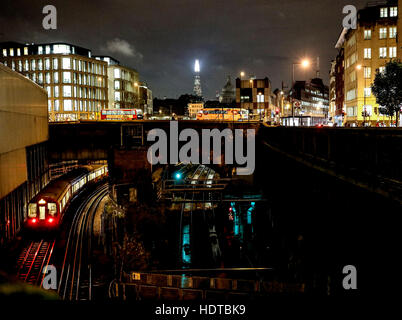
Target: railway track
column 76, row 273
column 33, row 259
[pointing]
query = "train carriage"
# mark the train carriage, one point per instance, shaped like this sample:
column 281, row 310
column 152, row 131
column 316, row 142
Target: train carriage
column 46, row 209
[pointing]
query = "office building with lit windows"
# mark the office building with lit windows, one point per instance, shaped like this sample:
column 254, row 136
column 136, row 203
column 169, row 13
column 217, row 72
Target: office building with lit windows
column 310, row 101
column 254, row 95
column 366, row 50
column 75, row 82
column 123, row 84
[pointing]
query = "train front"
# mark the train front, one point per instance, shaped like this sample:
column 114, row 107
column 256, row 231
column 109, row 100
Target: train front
column 42, row 214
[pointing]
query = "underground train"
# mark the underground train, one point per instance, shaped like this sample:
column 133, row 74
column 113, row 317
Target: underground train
column 46, row 209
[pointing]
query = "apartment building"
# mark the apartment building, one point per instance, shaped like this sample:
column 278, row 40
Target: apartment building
column 366, row 50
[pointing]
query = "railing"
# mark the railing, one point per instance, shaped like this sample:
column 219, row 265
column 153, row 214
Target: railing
column 176, row 287
column 202, row 184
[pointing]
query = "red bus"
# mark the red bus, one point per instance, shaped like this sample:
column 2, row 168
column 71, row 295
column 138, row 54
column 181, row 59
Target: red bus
column 121, row 114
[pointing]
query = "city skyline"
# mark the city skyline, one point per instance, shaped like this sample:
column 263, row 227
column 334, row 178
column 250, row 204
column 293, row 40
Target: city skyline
column 221, row 44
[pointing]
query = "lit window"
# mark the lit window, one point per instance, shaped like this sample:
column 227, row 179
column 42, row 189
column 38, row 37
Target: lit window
column 367, row 34
column 367, row 53
column 392, row 52
column 25, row 51
column 61, row 48
column 367, row 72
column 4, row 52
column 40, row 77
column 40, row 50
column 382, row 69
column 117, row 73
column 393, row 11
column 351, row 111
column 56, row 105
column 47, row 77
column 52, row 208
column 383, row 52
column 47, row 64
column 47, row 49
column 368, row 109
column 48, row 89
column 56, row 77
column 367, row 92
column 49, row 105
column 68, row 105
column 67, row 77
column 117, row 85
column 66, row 63
column 55, row 63
column 383, row 33
column 117, row 96
column 26, row 62
column 66, row 91
column 32, row 210
column 33, row 65
column 384, row 12
column 392, row 32
column 18, row 51
column 11, row 52
column 352, row 77
column 351, row 94
column 39, row 63
column 56, row 91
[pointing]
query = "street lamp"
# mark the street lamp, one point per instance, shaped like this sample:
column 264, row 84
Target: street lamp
column 305, row 63
column 242, row 74
column 358, row 68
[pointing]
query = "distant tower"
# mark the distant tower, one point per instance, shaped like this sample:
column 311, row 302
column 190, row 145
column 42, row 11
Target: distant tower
column 197, row 80
column 228, row 93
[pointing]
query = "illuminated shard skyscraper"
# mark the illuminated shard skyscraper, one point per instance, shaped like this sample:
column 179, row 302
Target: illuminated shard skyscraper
column 197, row 80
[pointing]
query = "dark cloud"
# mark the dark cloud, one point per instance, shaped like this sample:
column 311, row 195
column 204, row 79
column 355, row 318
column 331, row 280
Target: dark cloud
column 162, row 38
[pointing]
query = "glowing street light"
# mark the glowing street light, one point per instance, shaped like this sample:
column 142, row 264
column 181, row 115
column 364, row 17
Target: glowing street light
column 305, row 63
column 242, row 74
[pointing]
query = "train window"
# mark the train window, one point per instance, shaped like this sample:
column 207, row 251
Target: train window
column 52, row 208
column 32, row 210
column 63, row 202
column 42, row 213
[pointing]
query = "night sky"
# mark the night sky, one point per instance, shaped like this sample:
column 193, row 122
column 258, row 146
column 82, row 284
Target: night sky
column 161, row 39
